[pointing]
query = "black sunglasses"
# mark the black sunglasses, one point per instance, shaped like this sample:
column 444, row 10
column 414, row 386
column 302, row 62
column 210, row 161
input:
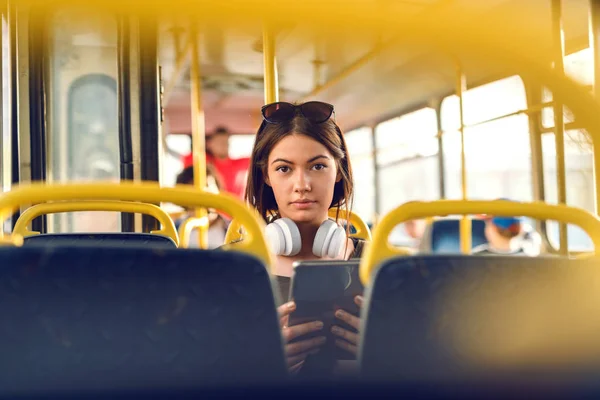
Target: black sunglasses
column 314, row 111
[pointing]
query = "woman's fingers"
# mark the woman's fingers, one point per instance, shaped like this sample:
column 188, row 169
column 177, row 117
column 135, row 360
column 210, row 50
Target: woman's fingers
column 294, row 360
column 359, row 300
column 348, row 318
column 284, row 312
column 346, row 346
column 345, row 334
column 292, row 332
column 294, row 349
column 348, row 340
column 295, row 368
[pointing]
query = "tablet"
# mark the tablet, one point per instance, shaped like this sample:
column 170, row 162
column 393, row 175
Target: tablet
column 319, row 288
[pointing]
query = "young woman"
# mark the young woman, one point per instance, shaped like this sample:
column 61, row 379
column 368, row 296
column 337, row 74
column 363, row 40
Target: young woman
column 299, row 169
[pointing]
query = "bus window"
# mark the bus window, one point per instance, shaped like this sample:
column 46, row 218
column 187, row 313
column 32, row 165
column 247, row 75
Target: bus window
column 178, row 145
column 548, row 112
column 240, row 146
column 580, row 67
column 578, row 157
column 407, row 159
column 498, row 153
column 407, row 150
column 83, row 132
column 360, row 149
column 579, row 181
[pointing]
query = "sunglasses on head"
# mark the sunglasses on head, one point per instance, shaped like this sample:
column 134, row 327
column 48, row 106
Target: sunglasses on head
column 314, row 111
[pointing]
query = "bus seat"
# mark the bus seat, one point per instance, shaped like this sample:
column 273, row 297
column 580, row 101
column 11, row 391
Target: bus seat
column 456, row 318
column 443, row 236
column 115, row 238
column 83, row 319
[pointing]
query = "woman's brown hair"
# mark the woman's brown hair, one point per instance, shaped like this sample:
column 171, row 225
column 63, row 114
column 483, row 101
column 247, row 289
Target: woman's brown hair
column 261, row 196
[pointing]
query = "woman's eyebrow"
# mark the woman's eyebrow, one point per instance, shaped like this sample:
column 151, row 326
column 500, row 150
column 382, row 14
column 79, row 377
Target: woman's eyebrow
column 309, row 161
column 315, row 158
column 281, row 160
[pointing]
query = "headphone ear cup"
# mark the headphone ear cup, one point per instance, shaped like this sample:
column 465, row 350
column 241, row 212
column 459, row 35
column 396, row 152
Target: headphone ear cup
column 322, row 237
column 290, row 241
column 329, row 239
column 337, row 242
column 293, row 240
column 275, row 238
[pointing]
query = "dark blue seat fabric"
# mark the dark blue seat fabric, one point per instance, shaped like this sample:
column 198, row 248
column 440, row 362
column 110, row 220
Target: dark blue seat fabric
column 449, row 318
column 445, row 235
column 87, row 318
column 117, row 238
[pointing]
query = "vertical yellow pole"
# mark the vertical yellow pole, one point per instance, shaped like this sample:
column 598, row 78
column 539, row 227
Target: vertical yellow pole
column 270, row 66
column 594, row 38
column 198, row 134
column 596, row 144
column 559, row 125
column 465, row 222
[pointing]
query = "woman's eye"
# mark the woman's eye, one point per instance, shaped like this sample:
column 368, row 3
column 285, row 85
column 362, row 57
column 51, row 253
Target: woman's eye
column 319, row 167
column 283, row 169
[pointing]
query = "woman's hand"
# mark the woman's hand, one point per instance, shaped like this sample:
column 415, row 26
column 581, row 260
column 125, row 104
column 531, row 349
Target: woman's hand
column 297, row 352
column 348, row 340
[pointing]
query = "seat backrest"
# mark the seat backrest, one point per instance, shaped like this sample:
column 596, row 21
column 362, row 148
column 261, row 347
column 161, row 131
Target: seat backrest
column 116, row 238
column 443, row 236
column 452, row 318
column 87, row 318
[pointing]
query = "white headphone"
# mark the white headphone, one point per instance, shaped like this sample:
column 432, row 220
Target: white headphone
column 285, row 240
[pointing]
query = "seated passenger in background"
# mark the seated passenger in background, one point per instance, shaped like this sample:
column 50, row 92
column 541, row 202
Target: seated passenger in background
column 300, row 168
column 531, row 240
column 217, row 224
column 415, row 228
column 502, row 234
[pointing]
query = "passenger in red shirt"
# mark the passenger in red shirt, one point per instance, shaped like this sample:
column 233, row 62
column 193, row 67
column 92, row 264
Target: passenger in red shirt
column 232, row 172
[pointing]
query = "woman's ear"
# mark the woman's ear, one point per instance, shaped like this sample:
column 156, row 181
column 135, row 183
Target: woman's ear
column 338, row 177
column 266, row 176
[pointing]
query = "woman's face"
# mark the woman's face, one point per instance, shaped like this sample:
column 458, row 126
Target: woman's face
column 302, row 173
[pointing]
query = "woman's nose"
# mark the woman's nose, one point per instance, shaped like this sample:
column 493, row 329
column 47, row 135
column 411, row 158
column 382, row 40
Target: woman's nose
column 302, row 182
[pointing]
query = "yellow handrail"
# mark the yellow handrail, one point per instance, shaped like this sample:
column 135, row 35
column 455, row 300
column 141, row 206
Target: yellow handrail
column 168, row 227
column 187, row 226
column 233, row 232
column 183, row 195
column 362, row 229
column 380, row 249
column 11, row 241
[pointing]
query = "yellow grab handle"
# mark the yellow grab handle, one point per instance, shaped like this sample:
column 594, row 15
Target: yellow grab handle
column 233, row 232
column 168, row 227
column 11, row 241
column 362, row 229
column 380, row 249
column 183, row 195
column 186, row 228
